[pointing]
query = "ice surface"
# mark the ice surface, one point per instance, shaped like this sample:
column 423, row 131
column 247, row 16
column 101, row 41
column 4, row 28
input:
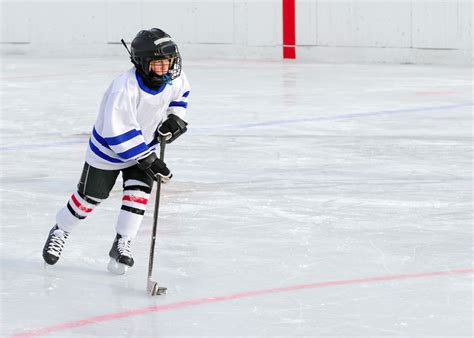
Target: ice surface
column 291, row 174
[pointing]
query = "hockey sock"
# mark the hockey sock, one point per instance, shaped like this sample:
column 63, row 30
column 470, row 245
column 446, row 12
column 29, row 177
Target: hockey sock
column 134, row 201
column 78, row 207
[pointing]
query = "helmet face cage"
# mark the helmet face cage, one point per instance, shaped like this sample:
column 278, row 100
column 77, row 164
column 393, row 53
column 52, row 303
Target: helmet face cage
column 174, row 69
column 152, row 45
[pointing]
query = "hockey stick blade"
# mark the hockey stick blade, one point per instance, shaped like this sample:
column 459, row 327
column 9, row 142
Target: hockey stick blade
column 154, row 290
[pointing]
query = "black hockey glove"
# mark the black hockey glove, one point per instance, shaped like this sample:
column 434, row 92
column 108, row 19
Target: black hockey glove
column 155, row 168
column 172, row 128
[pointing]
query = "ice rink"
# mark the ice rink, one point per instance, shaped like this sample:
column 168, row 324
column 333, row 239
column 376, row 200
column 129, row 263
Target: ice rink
column 307, row 200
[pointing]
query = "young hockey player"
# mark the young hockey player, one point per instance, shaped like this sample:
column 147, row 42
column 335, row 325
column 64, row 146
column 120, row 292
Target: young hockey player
column 144, row 104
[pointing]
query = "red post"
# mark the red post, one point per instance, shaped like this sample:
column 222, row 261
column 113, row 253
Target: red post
column 289, row 35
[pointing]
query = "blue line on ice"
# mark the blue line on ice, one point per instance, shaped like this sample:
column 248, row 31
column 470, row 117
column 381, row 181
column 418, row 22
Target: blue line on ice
column 336, row 117
column 262, row 124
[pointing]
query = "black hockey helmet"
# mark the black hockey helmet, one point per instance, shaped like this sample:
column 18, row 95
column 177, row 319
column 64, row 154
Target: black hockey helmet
column 155, row 44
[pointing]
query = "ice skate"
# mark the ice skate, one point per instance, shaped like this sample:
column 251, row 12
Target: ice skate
column 120, row 255
column 54, row 245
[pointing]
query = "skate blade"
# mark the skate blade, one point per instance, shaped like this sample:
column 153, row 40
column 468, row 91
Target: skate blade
column 47, row 266
column 154, row 290
column 116, row 267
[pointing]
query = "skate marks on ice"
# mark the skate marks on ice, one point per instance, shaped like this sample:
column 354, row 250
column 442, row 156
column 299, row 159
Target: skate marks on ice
column 316, row 173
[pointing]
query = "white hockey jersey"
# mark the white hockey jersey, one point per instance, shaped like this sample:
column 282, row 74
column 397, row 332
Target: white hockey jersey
column 128, row 117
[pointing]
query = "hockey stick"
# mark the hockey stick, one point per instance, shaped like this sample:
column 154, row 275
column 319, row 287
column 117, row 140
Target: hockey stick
column 152, row 286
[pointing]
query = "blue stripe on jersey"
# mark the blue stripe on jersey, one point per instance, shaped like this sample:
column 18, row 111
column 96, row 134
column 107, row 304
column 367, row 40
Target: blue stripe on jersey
column 145, row 88
column 152, row 143
column 101, row 154
column 142, row 147
column 113, row 141
column 179, row 104
column 186, row 94
column 99, row 138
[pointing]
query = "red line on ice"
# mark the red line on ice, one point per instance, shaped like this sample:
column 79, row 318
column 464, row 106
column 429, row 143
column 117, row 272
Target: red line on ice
column 209, row 300
column 435, row 93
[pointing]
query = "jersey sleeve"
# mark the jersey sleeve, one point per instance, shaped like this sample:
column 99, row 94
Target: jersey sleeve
column 120, row 130
column 179, row 103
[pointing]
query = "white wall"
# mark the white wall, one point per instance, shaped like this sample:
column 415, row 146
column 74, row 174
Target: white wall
column 395, row 31
column 410, row 31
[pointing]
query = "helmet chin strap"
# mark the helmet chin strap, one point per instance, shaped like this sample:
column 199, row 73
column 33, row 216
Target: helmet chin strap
column 153, row 81
column 166, row 79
